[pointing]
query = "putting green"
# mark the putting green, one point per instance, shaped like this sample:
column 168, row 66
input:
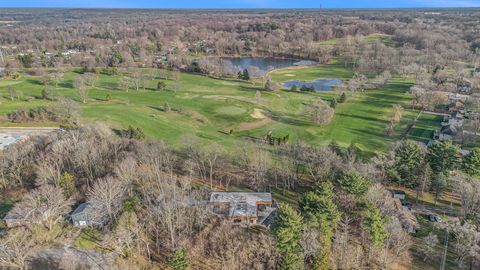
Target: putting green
column 230, row 110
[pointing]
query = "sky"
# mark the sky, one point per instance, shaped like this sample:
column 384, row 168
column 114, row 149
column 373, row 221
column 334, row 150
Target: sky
column 239, row 3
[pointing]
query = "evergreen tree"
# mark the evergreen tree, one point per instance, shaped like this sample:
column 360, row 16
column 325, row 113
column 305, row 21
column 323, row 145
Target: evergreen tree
column 161, row 85
column 240, row 75
column 335, row 147
column 408, row 158
column 442, row 157
column 288, row 230
column 343, row 98
column 294, row 88
column 67, row 183
column 333, row 103
column 246, row 75
column 116, row 59
column 471, row 163
column 354, row 183
column 319, row 207
column 375, row 226
column 179, row 260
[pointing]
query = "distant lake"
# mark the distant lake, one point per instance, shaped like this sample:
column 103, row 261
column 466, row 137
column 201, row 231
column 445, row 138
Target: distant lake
column 318, row 85
column 257, row 66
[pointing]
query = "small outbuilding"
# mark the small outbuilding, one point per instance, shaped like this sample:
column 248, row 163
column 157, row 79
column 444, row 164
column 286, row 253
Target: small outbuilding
column 400, row 194
column 82, row 215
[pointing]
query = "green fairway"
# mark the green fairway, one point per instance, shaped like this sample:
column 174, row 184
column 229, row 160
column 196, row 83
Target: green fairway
column 210, row 108
column 387, row 39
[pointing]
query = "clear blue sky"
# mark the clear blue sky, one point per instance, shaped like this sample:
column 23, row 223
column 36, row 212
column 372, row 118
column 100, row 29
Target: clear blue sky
column 239, row 3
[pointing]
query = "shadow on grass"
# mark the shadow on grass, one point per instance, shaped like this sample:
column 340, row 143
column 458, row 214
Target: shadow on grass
column 160, row 109
column 288, row 119
column 35, row 82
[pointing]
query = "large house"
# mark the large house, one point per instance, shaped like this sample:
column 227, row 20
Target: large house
column 243, row 207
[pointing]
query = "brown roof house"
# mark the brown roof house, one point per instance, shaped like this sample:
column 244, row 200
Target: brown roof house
column 244, row 207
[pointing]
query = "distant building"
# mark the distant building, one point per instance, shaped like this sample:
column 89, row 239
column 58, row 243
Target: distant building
column 400, row 194
column 243, row 207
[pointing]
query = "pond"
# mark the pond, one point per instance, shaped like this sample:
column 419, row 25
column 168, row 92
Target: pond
column 256, row 66
column 318, row 85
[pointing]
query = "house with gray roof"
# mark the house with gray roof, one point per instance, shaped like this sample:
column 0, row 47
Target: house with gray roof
column 243, row 207
column 84, row 216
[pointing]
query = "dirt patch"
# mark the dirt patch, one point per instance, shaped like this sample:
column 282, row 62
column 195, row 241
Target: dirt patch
column 257, row 114
column 289, row 75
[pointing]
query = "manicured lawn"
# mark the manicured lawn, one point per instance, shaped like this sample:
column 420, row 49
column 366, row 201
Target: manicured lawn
column 89, row 239
column 5, row 206
column 387, row 39
column 209, row 108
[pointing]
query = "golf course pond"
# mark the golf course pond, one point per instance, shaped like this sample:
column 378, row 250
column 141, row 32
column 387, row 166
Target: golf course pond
column 318, row 85
column 256, row 66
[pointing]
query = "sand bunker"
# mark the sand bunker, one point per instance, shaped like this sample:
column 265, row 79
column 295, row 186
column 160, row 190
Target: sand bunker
column 257, row 114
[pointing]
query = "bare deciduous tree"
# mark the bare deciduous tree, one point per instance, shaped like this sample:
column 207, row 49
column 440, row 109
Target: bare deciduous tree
column 106, row 197
column 45, row 205
column 80, row 84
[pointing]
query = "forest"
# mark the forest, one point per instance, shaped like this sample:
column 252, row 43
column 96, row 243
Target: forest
column 140, row 115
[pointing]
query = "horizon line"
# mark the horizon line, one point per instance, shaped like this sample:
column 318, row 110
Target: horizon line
column 239, row 8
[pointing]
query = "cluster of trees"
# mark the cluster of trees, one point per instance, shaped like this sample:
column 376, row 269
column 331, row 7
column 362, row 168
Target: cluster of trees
column 144, row 196
column 152, row 38
column 63, row 110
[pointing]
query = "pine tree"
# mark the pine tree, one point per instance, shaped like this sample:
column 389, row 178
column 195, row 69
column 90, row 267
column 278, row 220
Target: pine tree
column 179, row 260
column 442, row 157
column 288, row 230
column 246, row 75
column 375, row 225
column 343, row 98
column 161, row 85
column 319, row 207
column 294, row 88
column 335, row 147
column 471, row 163
column 408, row 158
column 333, row 103
column 354, row 183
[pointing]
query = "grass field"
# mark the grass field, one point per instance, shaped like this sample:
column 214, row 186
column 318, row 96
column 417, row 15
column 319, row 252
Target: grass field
column 387, row 39
column 209, row 108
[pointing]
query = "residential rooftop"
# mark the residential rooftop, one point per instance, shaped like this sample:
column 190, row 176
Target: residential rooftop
column 241, row 197
column 7, row 140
